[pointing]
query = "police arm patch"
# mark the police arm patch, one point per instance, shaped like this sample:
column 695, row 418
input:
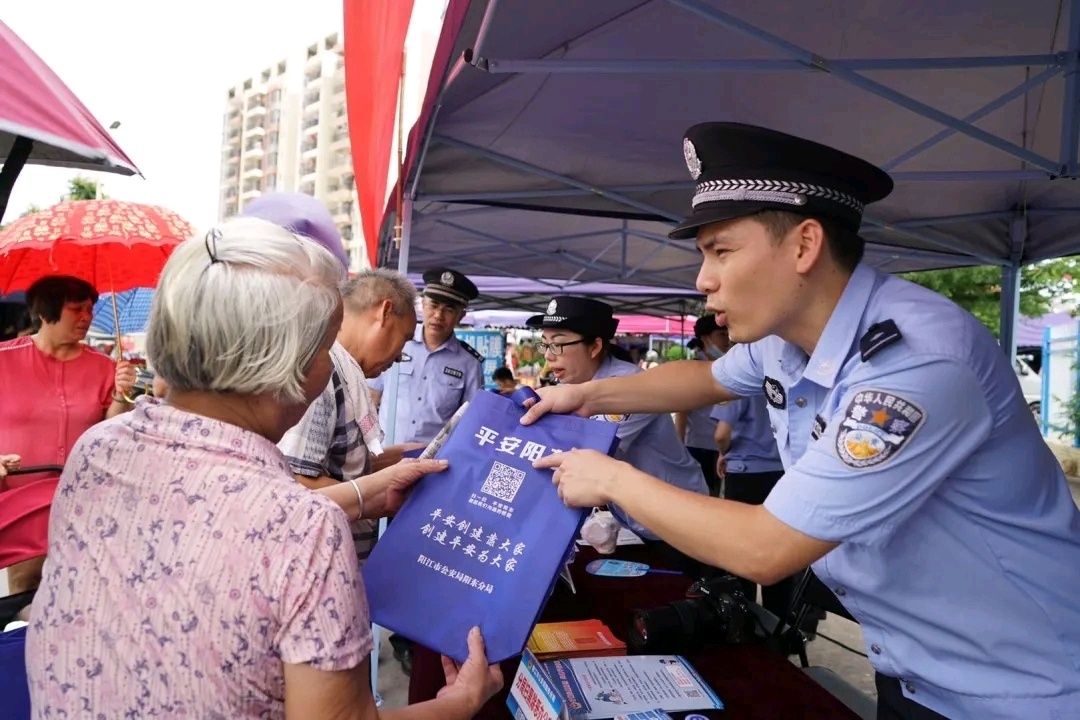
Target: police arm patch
column 876, row 426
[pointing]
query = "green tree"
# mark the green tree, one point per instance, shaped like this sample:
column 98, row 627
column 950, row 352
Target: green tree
column 978, row 289
column 82, row 188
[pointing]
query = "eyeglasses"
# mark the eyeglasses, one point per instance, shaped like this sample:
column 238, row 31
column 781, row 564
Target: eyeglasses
column 556, row 348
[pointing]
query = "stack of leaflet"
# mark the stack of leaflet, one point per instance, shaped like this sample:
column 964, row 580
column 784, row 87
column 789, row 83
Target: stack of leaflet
column 576, row 638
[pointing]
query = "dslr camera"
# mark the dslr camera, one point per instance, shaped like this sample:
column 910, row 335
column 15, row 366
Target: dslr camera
column 715, row 611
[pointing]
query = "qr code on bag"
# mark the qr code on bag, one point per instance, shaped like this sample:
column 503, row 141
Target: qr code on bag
column 503, row 482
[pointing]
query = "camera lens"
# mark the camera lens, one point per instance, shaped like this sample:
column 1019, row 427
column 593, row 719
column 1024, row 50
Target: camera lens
column 678, row 627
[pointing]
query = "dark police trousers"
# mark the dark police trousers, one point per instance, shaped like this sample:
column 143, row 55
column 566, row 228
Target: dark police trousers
column 893, row 705
column 752, row 489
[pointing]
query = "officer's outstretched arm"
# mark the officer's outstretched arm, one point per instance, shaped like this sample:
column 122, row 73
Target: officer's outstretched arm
column 892, row 440
column 743, row 539
column 671, row 387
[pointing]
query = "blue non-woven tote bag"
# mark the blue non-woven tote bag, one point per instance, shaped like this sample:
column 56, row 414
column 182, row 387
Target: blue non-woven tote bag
column 482, row 543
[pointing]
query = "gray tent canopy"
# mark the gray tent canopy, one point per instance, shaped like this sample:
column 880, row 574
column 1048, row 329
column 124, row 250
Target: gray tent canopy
column 550, row 140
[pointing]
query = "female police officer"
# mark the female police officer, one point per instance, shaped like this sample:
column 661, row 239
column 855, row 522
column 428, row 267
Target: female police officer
column 915, row 480
column 576, row 344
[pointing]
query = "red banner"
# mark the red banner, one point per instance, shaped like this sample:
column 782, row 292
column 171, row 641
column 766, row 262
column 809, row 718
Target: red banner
column 374, row 44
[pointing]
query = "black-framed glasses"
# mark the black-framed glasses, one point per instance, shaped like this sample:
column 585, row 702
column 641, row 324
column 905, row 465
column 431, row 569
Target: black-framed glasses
column 556, row 348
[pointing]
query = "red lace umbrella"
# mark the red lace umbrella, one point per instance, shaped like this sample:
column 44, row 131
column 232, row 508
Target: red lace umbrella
column 112, row 244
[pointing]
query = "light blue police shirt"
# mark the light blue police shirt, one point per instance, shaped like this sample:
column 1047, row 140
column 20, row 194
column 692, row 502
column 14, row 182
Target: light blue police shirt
column 650, row 444
column 433, row 385
column 700, row 429
column 753, row 447
column 960, row 541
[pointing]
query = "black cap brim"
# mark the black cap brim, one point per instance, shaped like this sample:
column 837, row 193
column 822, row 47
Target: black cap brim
column 436, row 292
column 688, row 228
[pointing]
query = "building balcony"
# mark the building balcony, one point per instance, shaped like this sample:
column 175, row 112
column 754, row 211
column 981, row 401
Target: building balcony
column 256, row 131
column 252, row 173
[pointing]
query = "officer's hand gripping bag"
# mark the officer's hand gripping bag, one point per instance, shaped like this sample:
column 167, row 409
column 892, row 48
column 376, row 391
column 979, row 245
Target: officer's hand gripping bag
column 483, row 542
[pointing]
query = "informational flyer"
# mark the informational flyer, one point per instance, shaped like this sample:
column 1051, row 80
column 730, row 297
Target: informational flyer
column 603, row 688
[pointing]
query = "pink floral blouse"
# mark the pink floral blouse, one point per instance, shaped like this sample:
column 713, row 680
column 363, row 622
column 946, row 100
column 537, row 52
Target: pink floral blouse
column 185, row 567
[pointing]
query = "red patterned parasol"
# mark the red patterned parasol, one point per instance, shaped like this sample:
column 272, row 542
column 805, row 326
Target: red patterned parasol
column 112, row 244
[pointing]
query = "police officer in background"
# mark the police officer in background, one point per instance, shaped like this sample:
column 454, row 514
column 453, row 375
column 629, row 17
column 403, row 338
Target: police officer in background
column 576, row 345
column 915, row 481
column 438, row 373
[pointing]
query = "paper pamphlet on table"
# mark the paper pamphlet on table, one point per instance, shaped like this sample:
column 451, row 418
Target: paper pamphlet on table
column 612, row 687
column 483, row 542
column 600, row 688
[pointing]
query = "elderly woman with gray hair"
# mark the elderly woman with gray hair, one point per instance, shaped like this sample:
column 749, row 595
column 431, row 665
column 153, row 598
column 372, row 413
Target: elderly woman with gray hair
column 189, row 573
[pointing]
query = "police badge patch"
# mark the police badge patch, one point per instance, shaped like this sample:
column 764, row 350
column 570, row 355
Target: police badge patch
column 876, row 425
column 552, row 307
column 447, row 278
column 774, row 393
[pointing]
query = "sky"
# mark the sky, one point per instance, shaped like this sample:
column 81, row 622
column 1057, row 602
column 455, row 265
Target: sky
column 162, row 71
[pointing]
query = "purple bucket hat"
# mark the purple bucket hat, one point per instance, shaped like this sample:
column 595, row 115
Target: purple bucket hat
column 303, row 215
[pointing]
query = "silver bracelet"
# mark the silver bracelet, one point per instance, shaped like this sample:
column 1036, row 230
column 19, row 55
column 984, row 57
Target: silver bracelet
column 359, row 499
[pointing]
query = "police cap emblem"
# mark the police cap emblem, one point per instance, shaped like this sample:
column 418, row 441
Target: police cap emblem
column 693, row 164
column 447, row 278
column 876, row 426
column 552, row 307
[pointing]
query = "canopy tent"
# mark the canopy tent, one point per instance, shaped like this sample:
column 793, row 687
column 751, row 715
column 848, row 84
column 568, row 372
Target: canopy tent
column 533, row 295
column 553, row 148
column 1030, row 332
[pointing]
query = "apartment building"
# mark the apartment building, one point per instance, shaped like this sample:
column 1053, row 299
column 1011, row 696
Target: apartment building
column 286, row 130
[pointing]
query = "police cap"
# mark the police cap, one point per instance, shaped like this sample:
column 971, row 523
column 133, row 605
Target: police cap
column 744, row 169
column 579, row 314
column 449, row 286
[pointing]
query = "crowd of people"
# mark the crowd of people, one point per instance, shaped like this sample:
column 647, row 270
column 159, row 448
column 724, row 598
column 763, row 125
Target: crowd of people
column 206, row 541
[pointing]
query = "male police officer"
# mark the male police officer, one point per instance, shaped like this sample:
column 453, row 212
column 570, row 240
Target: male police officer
column 438, row 372
column 915, row 480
